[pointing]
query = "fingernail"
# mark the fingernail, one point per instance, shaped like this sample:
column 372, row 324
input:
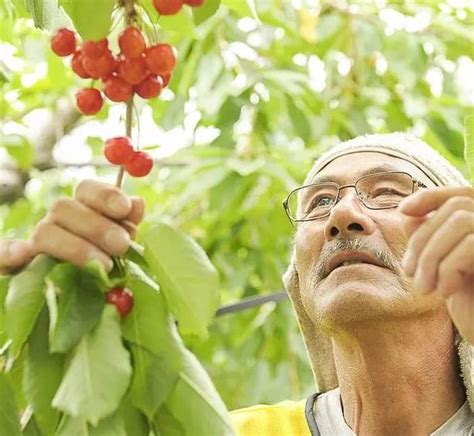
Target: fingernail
column 115, row 239
column 97, row 255
column 118, row 204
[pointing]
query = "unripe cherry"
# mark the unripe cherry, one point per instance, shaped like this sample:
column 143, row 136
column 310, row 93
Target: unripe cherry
column 118, row 150
column 89, row 101
column 99, row 68
column 168, row 7
column 133, row 71
column 139, row 165
column 94, row 49
column 77, row 67
column 117, row 90
column 131, row 43
column 63, row 42
column 150, row 87
column 160, row 59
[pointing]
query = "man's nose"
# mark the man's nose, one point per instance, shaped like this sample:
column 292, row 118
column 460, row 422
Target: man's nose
column 347, row 217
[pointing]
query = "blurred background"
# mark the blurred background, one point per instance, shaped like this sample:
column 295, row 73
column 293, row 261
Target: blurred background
column 260, row 90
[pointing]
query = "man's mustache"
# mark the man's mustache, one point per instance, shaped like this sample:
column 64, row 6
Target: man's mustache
column 387, row 260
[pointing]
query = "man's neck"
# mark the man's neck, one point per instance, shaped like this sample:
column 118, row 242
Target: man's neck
column 395, row 379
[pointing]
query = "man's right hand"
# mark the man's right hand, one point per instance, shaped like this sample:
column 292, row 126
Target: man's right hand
column 97, row 224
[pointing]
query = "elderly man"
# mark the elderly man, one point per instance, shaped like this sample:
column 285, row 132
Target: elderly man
column 381, row 279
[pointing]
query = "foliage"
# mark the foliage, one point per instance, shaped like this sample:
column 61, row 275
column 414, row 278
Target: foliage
column 261, row 88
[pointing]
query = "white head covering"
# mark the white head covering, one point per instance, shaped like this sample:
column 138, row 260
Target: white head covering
column 442, row 173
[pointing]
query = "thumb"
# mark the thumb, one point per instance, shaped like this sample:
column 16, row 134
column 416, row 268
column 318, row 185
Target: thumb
column 14, row 254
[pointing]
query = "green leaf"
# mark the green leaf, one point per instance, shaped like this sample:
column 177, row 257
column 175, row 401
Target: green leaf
column 42, row 376
column 244, row 8
column 92, row 19
column 47, row 14
column 165, row 424
column 25, row 299
column 186, row 276
column 203, row 412
column 206, row 11
column 112, row 425
column 135, row 421
column 9, row 413
column 99, row 373
column 154, row 377
column 469, row 144
column 80, row 305
column 19, row 148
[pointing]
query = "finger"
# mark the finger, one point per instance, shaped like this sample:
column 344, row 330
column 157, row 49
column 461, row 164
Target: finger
column 461, row 309
column 51, row 239
column 90, row 225
column 444, row 240
column 426, row 200
column 134, row 217
column 456, row 270
column 105, row 199
column 453, row 210
column 411, row 224
column 14, row 254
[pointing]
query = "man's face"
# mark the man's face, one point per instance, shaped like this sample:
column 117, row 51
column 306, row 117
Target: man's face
column 358, row 293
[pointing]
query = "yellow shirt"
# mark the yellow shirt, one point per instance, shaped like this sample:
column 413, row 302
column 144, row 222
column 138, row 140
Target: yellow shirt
column 286, row 418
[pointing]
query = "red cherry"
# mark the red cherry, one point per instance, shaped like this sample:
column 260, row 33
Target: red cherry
column 63, row 42
column 139, row 165
column 133, row 71
column 116, row 89
column 132, row 43
column 160, row 58
column 193, row 3
column 166, row 79
column 122, row 298
column 77, row 67
column 94, row 49
column 99, row 68
column 150, row 87
column 118, row 150
column 89, row 101
column 168, row 7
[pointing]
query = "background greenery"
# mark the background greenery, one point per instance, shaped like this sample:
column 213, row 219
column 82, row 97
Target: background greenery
column 261, row 89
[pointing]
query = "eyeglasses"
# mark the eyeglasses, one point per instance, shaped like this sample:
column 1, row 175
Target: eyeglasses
column 375, row 191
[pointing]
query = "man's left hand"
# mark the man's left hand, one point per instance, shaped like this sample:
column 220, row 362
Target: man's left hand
column 440, row 225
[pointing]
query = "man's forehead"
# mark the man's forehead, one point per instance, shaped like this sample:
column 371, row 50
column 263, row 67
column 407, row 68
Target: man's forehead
column 345, row 169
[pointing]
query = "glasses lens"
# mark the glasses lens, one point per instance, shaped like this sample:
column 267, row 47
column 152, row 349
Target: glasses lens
column 384, row 190
column 312, row 202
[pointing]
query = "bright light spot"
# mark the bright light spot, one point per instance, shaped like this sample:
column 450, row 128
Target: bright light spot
column 334, row 103
column 463, row 79
column 244, row 125
column 428, row 47
column 461, row 14
column 381, row 64
column 392, row 18
column 255, row 39
column 317, row 73
column 395, row 20
column 459, row 4
column 297, row 4
column 344, row 64
column 7, row 52
column 205, row 134
column 247, row 24
column 300, row 59
column 434, row 77
column 243, row 51
column 419, row 22
column 262, row 91
column 167, row 95
column 40, row 71
column 240, row 82
column 72, row 149
column 254, row 98
column 279, row 33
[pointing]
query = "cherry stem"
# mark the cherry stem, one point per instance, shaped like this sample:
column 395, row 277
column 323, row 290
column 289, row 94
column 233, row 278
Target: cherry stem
column 129, row 14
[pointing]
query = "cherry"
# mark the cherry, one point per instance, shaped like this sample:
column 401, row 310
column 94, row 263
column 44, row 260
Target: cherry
column 77, row 67
column 168, row 7
column 139, row 165
column 63, row 42
column 116, row 89
column 118, row 150
column 150, row 87
column 95, row 49
column 166, row 79
column 122, row 298
column 193, row 3
column 132, row 43
column 133, row 71
column 99, row 68
column 89, row 101
column 160, row 58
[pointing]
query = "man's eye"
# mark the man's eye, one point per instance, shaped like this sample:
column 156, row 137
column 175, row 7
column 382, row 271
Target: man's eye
column 386, row 191
column 321, row 201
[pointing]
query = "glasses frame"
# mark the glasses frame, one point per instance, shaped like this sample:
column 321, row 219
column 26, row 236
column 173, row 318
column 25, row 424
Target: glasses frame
column 415, row 183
